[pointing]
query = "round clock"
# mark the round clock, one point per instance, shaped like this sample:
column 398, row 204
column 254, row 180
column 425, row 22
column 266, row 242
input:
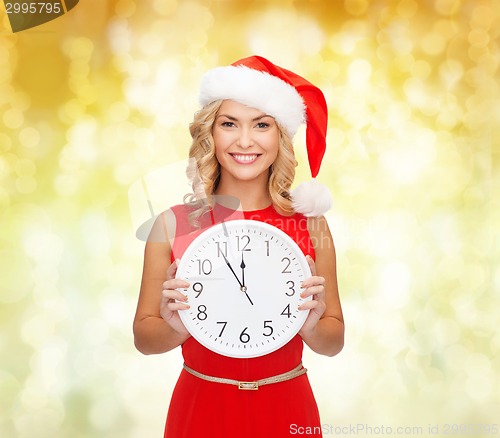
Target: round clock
column 244, row 291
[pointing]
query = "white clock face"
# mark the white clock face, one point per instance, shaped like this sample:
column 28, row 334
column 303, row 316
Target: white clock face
column 244, row 292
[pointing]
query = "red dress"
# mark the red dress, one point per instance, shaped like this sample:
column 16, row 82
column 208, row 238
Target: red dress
column 199, row 408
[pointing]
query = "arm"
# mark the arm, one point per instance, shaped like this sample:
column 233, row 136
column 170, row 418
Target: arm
column 157, row 326
column 323, row 330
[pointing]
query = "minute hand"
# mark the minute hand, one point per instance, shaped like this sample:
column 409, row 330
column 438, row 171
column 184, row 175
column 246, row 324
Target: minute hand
column 232, row 270
column 242, row 286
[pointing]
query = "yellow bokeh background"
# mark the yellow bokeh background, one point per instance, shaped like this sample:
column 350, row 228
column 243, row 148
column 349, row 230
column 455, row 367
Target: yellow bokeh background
column 95, row 100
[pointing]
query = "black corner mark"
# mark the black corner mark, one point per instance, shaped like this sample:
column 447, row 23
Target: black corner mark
column 25, row 14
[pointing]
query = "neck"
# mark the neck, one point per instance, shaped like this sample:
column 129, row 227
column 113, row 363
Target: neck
column 252, row 196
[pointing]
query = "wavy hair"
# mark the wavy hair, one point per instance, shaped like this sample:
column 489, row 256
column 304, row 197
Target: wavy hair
column 204, row 169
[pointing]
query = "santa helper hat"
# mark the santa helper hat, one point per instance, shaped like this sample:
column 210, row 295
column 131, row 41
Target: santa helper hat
column 291, row 100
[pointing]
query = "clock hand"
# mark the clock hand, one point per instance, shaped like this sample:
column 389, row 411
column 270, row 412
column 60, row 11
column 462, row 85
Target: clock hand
column 242, row 266
column 243, row 287
column 232, row 270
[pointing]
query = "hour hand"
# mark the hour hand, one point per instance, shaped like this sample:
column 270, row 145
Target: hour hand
column 243, row 266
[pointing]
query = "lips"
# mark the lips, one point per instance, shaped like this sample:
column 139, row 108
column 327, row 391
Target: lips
column 245, row 158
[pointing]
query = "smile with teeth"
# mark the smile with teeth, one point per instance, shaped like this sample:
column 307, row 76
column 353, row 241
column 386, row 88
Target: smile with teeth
column 245, row 158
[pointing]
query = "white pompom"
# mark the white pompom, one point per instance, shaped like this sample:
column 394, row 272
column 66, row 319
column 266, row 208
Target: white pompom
column 311, row 198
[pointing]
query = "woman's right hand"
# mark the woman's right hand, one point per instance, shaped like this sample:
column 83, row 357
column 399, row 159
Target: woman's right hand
column 172, row 300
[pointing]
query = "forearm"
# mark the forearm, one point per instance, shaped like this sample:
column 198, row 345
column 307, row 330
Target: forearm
column 152, row 335
column 326, row 338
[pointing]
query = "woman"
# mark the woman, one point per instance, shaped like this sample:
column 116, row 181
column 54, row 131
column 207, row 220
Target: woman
column 242, row 150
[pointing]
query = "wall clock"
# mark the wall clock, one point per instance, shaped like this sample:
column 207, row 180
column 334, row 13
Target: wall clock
column 244, row 291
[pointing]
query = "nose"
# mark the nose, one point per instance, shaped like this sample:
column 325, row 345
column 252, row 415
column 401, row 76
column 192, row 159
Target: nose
column 245, row 139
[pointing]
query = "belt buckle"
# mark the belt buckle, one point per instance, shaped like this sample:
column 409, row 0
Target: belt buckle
column 248, row 386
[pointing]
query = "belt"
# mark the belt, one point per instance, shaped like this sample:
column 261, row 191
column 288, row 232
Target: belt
column 296, row 372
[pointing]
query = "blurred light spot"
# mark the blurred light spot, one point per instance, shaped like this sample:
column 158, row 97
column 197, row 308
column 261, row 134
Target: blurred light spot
column 119, row 111
column 25, row 167
column 447, row 331
column 165, row 7
column 483, row 16
column 125, row 8
column 394, row 284
column 125, row 173
column 421, row 69
column 447, row 7
column 433, row 43
column 66, row 185
column 451, row 71
column 16, row 280
column 119, row 35
column 420, row 96
column 346, row 41
column 359, row 73
column 82, row 137
column 479, row 37
column 104, row 412
column 95, row 332
column 407, row 8
column 478, row 387
column 406, row 163
column 311, row 37
column 26, row 184
column 29, row 137
column 13, row 118
column 95, row 234
column 5, row 142
column 38, row 329
column 79, row 49
column 356, row 7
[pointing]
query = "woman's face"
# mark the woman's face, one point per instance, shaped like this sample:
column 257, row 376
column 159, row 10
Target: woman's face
column 246, row 141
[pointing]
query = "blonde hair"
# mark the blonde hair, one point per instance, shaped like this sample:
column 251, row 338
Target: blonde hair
column 204, row 169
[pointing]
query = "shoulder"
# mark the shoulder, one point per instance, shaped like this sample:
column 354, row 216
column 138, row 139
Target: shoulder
column 319, row 231
column 165, row 224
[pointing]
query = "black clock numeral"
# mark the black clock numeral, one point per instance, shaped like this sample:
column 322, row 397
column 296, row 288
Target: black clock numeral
column 202, row 312
column 244, row 337
column 267, row 248
column 224, row 323
column 221, row 249
column 286, row 311
column 198, row 288
column 287, row 263
column 243, row 242
column 291, row 288
column 204, row 267
column 267, row 325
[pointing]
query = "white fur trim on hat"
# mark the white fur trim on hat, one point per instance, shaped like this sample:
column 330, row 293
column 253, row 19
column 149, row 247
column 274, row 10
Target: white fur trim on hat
column 311, row 198
column 256, row 89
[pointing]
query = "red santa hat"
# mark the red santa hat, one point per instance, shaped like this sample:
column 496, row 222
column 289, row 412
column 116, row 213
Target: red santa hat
column 291, row 100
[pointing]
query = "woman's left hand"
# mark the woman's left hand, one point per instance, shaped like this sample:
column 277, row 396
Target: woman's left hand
column 314, row 286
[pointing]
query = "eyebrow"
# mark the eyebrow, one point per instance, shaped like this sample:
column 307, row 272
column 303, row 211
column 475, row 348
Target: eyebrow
column 234, row 119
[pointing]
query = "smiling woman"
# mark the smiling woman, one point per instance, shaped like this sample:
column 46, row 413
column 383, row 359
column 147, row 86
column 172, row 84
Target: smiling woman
column 242, row 149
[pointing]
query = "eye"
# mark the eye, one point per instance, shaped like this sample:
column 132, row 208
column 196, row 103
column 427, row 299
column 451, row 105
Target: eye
column 227, row 124
column 263, row 125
